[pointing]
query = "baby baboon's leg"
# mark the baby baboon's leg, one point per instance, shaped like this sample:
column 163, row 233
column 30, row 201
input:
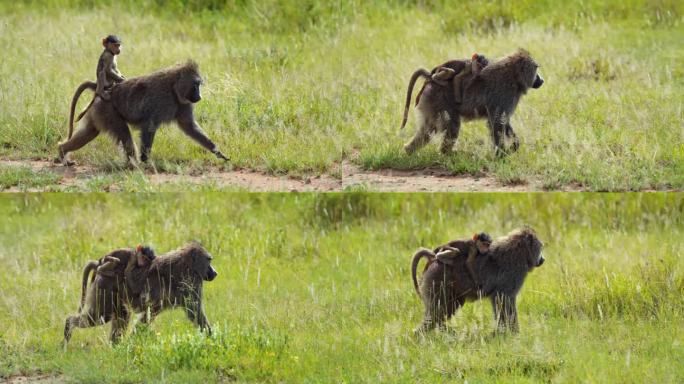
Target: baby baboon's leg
column 443, row 75
column 422, row 136
column 81, row 137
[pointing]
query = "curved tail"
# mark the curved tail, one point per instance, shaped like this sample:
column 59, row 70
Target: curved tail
column 85, row 85
column 423, row 252
column 91, row 266
column 420, row 72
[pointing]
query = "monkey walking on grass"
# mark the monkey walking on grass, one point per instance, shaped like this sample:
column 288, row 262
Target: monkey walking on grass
column 499, row 269
column 134, row 280
column 488, row 91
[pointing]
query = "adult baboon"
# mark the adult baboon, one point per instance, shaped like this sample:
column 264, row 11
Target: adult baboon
column 494, row 94
column 445, row 287
column 174, row 279
column 145, row 102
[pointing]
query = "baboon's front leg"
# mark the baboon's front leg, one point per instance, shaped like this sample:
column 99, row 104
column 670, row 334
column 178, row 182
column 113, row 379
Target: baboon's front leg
column 189, row 126
column 505, row 312
column 511, row 134
column 149, row 314
column 198, row 317
column 496, row 130
column 146, row 140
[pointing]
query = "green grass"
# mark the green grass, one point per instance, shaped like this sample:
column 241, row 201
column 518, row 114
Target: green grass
column 297, row 87
column 316, row 288
column 25, row 178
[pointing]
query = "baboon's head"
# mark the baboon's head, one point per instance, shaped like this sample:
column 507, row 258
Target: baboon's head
column 527, row 70
column 201, row 262
column 521, row 245
column 188, row 83
column 535, row 257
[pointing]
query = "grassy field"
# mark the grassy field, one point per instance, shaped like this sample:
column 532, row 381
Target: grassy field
column 299, row 87
column 316, row 288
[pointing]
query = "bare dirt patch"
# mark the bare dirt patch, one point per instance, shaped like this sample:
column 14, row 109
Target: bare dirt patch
column 38, row 378
column 424, row 180
column 388, row 180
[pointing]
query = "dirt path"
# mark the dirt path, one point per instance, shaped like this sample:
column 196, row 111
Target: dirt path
column 428, row 180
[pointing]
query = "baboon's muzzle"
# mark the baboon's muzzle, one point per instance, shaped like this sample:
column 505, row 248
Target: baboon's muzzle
column 211, row 274
column 538, row 81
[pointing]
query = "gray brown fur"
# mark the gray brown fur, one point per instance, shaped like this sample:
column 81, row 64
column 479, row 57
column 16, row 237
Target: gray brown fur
column 107, row 74
column 446, row 287
column 145, row 102
column 493, row 94
column 173, row 280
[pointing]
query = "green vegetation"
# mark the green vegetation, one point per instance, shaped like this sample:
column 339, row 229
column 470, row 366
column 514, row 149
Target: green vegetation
column 25, row 178
column 316, row 288
column 297, row 87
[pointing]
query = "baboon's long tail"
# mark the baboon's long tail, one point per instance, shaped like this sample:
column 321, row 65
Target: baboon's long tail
column 85, row 85
column 420, row 72
column 423, row 252
column 91, row 266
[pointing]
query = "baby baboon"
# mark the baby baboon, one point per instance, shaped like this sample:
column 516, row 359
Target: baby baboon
column 174, row 279
column 146, row 102
column 493, row 94
column 107, row 72
column 446, row 286
column 450, row 254
column 442, row 75
column 481, row 242
column 138, row 268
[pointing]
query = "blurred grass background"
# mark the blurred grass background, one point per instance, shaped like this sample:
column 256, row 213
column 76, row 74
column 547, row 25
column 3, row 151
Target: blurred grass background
column 298, row 87
column 317, row 288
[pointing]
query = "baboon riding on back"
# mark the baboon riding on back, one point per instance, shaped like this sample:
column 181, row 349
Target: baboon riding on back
column 491, row 93
column 146, row 102
column 448, row 281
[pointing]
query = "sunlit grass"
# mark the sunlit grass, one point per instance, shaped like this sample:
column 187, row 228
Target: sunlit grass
column 316, row 287
column 296, row 88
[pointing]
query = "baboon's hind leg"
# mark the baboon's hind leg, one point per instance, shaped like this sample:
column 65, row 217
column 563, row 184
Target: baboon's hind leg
column 422, row 136
column 119, row 324
column 452, row 128
column 123, row 136
column 82, row 320
column 81, row 137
